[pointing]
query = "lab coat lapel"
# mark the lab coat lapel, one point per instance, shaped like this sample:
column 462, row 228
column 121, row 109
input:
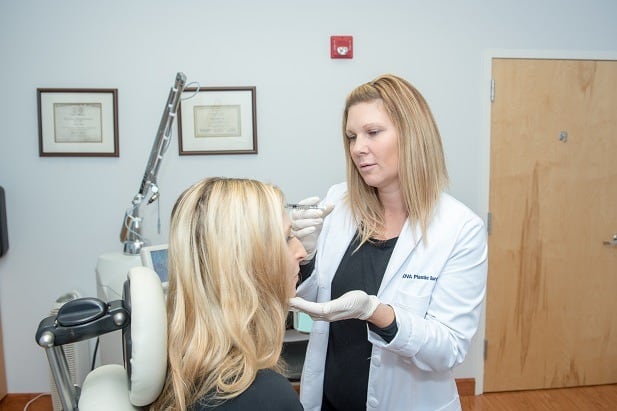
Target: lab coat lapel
column 405, row 245
column 339, row 239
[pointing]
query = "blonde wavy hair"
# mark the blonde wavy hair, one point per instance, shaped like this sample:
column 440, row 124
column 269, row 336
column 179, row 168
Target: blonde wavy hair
column 422, row 166
column 228, row 293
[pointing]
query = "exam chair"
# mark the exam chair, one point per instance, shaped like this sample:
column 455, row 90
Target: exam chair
column 141, row 315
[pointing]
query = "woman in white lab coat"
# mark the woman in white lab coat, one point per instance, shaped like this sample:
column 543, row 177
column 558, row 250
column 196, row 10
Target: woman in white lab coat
column 396, row 273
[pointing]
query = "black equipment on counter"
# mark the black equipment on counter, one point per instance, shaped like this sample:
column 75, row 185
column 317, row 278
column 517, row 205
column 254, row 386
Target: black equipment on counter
column 4, row 230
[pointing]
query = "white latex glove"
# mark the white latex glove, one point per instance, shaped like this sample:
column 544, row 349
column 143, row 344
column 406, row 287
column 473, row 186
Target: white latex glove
column 306, row 224
column 352, row 304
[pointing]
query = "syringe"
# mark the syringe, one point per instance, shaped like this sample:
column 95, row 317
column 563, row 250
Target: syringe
column 303, row 207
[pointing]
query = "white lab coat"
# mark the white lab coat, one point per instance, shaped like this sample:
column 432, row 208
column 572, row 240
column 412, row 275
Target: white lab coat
column 436, row 289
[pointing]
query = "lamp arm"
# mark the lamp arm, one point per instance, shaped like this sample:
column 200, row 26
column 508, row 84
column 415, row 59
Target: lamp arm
column 131, row 232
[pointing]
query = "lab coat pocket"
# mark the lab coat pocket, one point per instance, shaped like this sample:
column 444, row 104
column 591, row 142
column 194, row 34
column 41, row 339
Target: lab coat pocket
column 412, row 303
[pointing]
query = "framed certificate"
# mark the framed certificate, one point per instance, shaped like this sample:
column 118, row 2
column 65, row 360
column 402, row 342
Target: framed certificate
column 217, row 120
column 78, row 122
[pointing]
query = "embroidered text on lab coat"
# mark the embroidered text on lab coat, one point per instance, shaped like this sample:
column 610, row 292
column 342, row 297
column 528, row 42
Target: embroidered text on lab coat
column 419, row 277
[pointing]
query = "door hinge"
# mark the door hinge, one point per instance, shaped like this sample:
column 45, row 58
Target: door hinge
column 489, row 222
column 485, row 348
column 492, row 90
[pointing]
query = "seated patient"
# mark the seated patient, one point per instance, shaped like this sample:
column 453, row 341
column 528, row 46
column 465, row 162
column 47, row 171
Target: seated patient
column 233, row 265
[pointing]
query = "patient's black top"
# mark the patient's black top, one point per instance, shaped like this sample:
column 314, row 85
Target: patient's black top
column 269, row 392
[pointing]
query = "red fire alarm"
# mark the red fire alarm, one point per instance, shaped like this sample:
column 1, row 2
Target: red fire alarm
column 341, row 47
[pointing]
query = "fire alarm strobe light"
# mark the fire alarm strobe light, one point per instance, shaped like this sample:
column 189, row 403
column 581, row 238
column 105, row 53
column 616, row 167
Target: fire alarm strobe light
column 341, row 47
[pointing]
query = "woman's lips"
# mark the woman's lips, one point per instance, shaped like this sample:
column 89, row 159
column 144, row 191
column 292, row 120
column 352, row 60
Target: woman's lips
column 367, row 166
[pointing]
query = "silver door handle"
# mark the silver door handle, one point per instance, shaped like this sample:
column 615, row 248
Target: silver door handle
column 612, row 241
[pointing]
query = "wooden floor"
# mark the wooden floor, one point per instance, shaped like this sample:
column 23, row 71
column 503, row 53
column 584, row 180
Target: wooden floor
column 593, row 398
column 17, row 402
column 598, row 398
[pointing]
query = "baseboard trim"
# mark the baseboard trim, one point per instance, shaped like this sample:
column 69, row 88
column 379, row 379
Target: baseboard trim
column 466, row 386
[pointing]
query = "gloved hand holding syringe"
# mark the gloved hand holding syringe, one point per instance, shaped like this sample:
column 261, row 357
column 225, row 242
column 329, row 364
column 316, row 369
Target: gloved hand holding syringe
column 307, row 218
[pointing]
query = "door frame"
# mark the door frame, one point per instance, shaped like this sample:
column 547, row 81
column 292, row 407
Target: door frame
column 477, row 352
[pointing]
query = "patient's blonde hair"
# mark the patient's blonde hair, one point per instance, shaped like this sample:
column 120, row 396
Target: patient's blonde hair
column 228, row 293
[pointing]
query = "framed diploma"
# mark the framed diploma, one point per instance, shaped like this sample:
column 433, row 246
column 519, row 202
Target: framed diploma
column 217, row 120
column 78, row 122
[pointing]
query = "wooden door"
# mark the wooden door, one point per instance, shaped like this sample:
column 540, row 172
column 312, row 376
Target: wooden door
column 552, row 281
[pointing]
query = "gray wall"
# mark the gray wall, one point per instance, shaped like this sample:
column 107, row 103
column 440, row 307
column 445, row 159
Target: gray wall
column 64, row 212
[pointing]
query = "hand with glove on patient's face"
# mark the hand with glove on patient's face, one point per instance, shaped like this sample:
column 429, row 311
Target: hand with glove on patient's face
column 354, row 304
column 306, row 224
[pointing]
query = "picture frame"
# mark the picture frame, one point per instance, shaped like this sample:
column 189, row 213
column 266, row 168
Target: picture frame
column 78, row 122
column 217, row 120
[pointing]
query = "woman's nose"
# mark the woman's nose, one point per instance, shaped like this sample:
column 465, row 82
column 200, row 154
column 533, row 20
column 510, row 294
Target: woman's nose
column 300, row 250
column 359, row 145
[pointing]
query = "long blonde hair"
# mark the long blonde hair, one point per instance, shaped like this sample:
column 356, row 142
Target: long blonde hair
column 422, row 166
column 228, row 294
